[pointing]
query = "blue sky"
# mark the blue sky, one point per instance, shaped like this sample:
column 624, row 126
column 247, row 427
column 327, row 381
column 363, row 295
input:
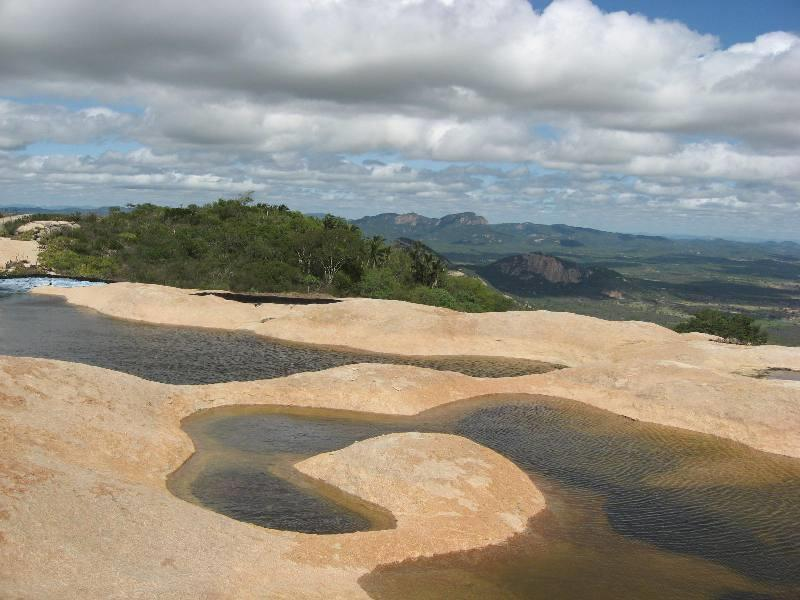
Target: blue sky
column 562, row 112
column 733, row 21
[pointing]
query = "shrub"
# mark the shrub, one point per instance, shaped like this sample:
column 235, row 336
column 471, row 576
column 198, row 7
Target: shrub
column 732, row 327
column 432, row 297
column 379, row 283
column 242, row 246
column 472, row 295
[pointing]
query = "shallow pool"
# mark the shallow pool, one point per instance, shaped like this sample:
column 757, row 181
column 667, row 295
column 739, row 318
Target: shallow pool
column 634, row 510
column 48, row 327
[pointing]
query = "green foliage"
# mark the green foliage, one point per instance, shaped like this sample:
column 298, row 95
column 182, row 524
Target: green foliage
column 733, row 327
column 433, row 297
column 380, row 283
column 9, row 228
column 59, row 256
column 427, row 268
column 472, row 295
column 247, row 247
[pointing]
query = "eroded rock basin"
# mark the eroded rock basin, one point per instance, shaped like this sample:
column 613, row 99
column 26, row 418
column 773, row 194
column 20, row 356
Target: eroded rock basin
column 48, row 327
column 634, row 510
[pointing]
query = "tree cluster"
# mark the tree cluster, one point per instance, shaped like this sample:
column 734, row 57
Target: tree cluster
column 243, row 246
column 735, row 328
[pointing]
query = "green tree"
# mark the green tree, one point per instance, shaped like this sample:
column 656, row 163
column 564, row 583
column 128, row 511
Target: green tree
column 427, row 268
column 243, row 246
column 732, row 327
column 377, row 252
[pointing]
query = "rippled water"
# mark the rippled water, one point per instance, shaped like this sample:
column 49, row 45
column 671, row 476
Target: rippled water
column 243, row 468
column 634, row 510
column 47, row 327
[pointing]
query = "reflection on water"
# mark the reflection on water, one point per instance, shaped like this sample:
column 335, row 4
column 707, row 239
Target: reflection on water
column 46, row 327
column 280, row 505
column 634, row 510
column 243, row 468
column 20, row 285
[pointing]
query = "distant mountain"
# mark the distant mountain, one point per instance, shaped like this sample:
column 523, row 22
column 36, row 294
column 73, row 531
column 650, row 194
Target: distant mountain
column 469, row 238
column 69, row 210
column 394, row 225
column 537, row 274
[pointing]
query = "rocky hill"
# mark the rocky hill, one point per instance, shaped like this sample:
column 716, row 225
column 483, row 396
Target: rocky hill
column 537, row 274
column 394, row 225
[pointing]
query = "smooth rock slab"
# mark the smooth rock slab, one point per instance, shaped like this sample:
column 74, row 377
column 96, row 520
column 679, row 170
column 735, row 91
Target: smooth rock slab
column 85, row 512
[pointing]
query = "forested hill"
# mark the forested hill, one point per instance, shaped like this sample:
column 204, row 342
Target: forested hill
column 242, row 246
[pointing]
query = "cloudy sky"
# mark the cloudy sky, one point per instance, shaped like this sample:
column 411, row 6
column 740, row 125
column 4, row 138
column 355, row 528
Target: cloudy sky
column 684, row 119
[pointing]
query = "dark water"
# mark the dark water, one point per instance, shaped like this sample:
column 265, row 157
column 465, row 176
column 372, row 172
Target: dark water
column 46, row 327
column 634, row 510
column 785, row 374
column 243, row 468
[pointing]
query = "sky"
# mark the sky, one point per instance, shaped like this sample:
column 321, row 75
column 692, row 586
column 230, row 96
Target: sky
column 651, row 116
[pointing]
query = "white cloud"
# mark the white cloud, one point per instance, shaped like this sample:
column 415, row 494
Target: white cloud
column 22, row 124
column 269, row 94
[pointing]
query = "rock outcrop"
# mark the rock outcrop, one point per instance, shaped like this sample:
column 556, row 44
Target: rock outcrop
column 41, row 229
column 541, row 274
column 413, row 225
column 85, row 452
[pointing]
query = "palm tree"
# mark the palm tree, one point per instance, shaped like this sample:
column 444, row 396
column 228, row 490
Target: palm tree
column 427, row 268
column 377, row 252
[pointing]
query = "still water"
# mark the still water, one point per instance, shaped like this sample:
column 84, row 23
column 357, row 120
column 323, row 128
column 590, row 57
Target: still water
column 634, row 510
column 47, row 327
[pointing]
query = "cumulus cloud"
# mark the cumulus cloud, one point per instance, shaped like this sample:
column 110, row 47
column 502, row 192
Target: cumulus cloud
column 22, row 125
column 273, row 94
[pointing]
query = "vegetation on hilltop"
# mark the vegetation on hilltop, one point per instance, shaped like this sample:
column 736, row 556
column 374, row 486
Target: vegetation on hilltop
column 242, row 246
column 732, row 327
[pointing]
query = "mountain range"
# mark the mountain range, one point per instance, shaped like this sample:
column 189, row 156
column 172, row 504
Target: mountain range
column 613, row 275
column 471, row 238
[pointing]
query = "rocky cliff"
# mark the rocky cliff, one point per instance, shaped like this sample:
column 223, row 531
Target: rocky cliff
column 541, row 274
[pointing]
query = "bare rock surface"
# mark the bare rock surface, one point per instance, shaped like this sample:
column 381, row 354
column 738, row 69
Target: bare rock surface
column 431, row 483
column 12, row 218
column 761, row 413
column 85, row 512
column 381, row 325
column 637, row 369
column 84, row 452
column 18, row 251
